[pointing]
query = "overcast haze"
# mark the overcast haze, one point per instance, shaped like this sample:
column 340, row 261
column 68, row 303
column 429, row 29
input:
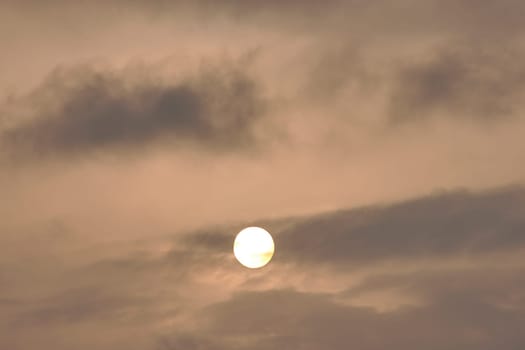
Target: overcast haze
column 380, row 142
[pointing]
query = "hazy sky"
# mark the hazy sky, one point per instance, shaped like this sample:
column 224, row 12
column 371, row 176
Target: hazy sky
column 382, row 143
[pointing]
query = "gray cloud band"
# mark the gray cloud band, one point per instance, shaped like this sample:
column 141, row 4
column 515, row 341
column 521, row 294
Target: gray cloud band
column 82, row 110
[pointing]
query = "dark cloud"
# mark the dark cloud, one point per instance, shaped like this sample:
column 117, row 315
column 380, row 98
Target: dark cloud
column 485, row 20
column 456, row 223
column 82, row 110
column 363, row 20
column 287, row 318
column 434, row 226
column 475, row 84
column 362, row 16
column 502, row 286
column 466, row 78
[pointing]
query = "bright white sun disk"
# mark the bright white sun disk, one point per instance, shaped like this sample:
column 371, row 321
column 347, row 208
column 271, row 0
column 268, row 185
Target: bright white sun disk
column 253, row 247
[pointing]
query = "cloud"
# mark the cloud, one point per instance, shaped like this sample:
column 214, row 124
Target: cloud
column 501, row 286
column 81, row 305
column 455, row 223
column 440, row 271
column 288, row 318
column 361, row 16
column 82, row 110
column 474, row 84
column 191, row 294
column 437, row 225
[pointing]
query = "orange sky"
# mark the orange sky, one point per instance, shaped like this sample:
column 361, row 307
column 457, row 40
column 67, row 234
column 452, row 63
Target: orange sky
column 380, row 142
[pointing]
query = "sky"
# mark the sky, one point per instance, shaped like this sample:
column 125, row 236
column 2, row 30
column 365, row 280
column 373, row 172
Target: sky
column 380, row 142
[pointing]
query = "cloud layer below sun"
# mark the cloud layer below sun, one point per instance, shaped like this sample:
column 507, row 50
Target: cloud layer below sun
column 411, row 271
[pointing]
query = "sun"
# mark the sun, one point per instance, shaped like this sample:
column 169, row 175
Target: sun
column 253, row 247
